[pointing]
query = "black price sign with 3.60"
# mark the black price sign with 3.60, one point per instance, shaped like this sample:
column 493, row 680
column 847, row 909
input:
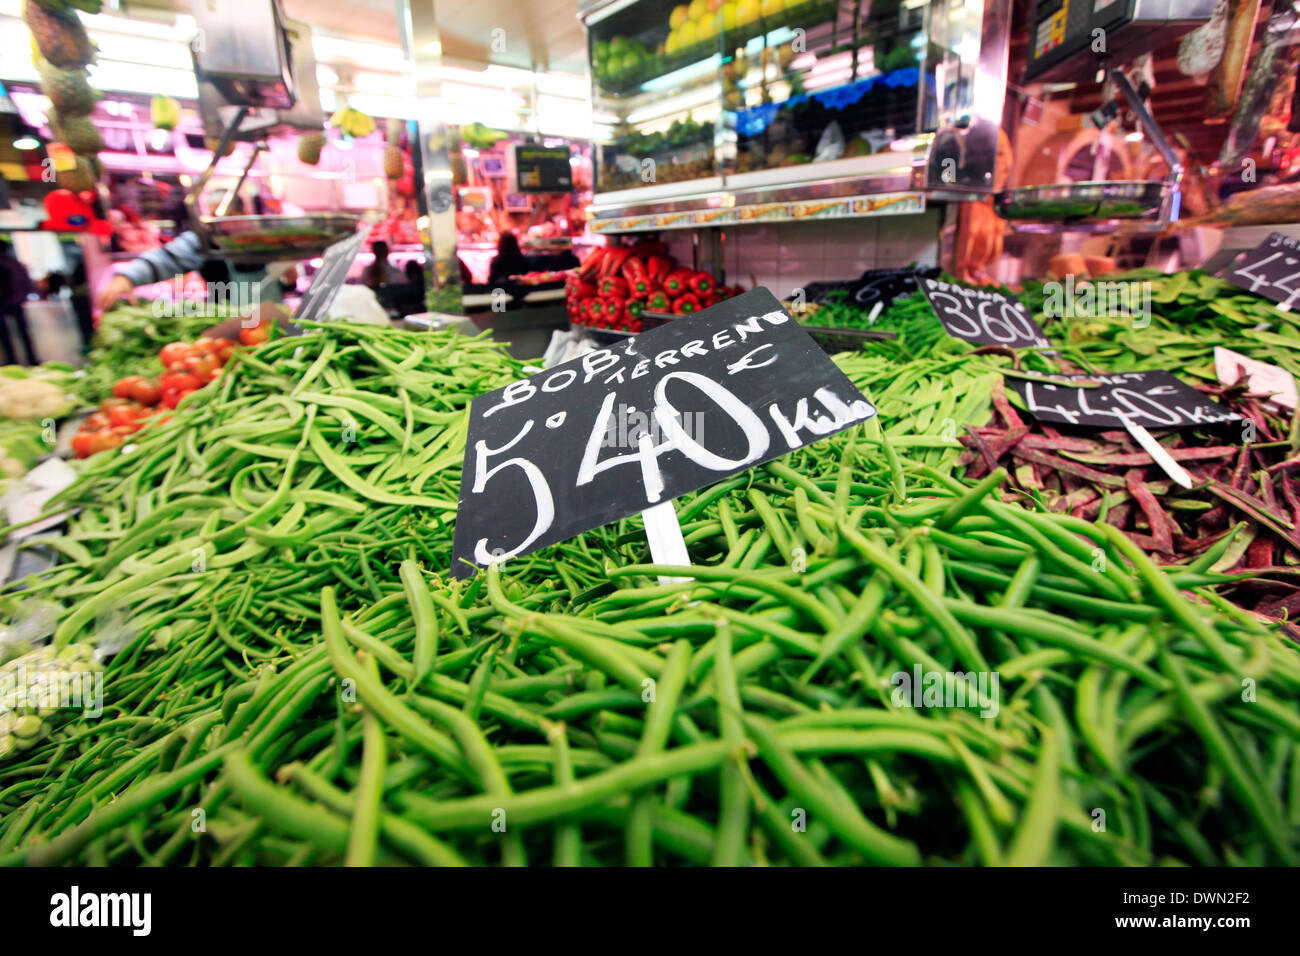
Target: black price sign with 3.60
column 615, row 431
column 983, row 316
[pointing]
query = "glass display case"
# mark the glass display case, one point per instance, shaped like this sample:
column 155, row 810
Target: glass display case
column 689, row 93
column 726, row 111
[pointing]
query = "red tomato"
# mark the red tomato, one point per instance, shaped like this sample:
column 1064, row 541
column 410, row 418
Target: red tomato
column 95, row 421
column 171, row 397
column 109, row 404
column 145, row 392
column 201, row 365
column 124, row 414
column 175, row 352
column 125, row 387
column 215, row 374
column 257, row 335
column 178, row 380
column 125, row 430
column 81, row 444
column 102, row 440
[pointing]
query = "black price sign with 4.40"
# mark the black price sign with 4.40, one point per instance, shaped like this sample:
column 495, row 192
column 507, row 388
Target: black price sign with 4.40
column 983, row 316
column 1271, row 269
column 615, row 431
column 1150, row 399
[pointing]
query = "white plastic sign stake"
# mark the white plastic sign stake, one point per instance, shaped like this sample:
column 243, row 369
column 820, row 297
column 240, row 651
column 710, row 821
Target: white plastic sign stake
column 1158, row 452
column 664, row 532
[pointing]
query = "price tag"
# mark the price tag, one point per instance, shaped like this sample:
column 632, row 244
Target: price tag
column 983, row 316
column 1271, row 269
column 622, row 429
column 329, row 278
column 1149, row 399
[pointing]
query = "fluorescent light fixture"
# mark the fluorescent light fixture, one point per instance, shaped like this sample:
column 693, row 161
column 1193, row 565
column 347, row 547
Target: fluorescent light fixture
column 691, row 100
column 27, row 142
column 147, row 80
column 325, row 75
column 469, row 152
column 493, row 99
column 383, row 84
column 433, row 48
column 686, row 73
column 1134, row 137
column 377, row 56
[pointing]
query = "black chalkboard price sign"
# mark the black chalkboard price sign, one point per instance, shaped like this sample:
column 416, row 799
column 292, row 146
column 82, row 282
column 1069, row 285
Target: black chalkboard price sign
column 1271, row 269
column 983, row 316
column 621, row 429
column 1149, row 399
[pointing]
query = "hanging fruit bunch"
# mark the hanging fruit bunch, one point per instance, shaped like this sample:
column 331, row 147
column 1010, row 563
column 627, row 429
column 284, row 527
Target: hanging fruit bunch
column 309, row 147
column 165, row 113
column 61, row 51
column 394, row 159
column 352, row 122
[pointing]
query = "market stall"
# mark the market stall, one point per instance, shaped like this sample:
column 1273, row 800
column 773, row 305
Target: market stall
column 927, row 553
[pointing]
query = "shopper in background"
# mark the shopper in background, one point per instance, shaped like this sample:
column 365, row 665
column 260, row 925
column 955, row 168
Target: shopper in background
column 380, row 272
column 184, row 254
column 509, row 260
column 15, row 287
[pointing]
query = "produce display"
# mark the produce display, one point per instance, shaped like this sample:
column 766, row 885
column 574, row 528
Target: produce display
column 544, row 277
column 264, row 578
column 138, row 401
column 614, row 285
column 128, row 341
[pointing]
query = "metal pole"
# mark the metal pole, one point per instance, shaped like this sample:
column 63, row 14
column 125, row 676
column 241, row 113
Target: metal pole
column 417, row 23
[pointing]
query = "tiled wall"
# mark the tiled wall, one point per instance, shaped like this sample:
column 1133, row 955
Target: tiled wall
column 783, row 256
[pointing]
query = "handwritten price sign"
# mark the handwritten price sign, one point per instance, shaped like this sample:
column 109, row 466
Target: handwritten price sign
column 983, row 316
column 1149, row 399
column 1271, row 269
column 618, row 430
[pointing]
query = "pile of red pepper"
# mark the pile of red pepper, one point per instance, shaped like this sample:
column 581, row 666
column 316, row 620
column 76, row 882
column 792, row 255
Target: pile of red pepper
column 616, row 284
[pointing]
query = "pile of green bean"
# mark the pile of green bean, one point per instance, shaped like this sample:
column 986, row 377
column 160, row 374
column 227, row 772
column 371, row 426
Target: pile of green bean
column 301, row 684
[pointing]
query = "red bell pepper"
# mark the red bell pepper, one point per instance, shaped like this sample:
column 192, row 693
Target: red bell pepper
column 686, row 304
column 658, row 301
column 710, row 300
column 584, row 290
column 613, row 308
column 634, row 308
column 613, row 285
column 633, row 269
column 640, row 288
column 595, row 308
column 615, row 256
column 590, row 267
column 659, row 267
column 677, row 283
column 701, row 283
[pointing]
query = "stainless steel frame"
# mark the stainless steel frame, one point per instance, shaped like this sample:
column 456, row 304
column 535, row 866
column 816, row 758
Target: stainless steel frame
column 418, row 25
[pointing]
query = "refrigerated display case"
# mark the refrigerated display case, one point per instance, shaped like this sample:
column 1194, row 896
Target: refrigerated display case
column 716, row 112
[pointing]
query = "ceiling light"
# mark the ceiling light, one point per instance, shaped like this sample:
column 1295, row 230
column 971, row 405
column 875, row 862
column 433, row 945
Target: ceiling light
column 27, row 142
